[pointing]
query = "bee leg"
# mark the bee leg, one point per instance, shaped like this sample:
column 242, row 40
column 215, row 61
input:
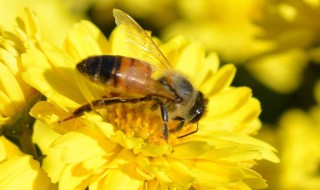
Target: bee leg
column 180, row 125
column 164, row 115
column 192, row 132
column 79, row 112
column 96, row 104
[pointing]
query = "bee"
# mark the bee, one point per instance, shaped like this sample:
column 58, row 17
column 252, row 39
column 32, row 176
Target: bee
column 172, row 92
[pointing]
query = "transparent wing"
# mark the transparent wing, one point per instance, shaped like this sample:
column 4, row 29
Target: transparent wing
column 140, row 43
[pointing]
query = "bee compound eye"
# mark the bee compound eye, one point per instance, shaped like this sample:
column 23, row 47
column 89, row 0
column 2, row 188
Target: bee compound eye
column 198, row 108
column 177, row 99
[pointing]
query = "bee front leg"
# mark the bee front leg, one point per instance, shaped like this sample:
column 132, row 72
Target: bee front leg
column 164, row 115
column 180, row 125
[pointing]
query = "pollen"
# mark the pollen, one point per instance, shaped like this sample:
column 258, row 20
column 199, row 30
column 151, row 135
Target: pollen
column 136, row 120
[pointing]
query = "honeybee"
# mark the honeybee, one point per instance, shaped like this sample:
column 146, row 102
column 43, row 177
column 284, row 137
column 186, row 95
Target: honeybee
column 171, row 91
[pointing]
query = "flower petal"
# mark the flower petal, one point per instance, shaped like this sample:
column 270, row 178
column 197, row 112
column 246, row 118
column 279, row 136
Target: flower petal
column 22, row 172
column 84, row 40
column 11, row 86
column 120, row 180
column 219, row 81
column 209, row 174
column 191, row 149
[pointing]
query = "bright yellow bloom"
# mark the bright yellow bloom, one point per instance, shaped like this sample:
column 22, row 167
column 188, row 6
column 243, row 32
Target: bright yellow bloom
column 297, row 139
column 225, row 27
column 300, row 150
column 55, row 17
column 19, row 171
column 15, row 94
column 123, row 148
column 261, row 34
column 284, row 22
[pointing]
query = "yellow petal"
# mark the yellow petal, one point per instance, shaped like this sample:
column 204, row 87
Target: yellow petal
column 10, row 60
column 120, row 180
column 154, row 150
column 254, row 180
column 8, row 149
column 57, row 84
column 266, row 150
column 53, row 164
column 206, row 69
column 219, row 81
column 191, row 149
column 84, row 40
column 74, row 177
column 22, row 172
column 117, row 42
column 80, row 146
column 6, row 108
column 127, row 142
column 180, row 174
column 41, row 130
column 47, row 112
column 227, row 102
column 238, row 112
column 190, row 58
column 11, row 86
column 29, row 24
column 209, row 174
column 288, row 75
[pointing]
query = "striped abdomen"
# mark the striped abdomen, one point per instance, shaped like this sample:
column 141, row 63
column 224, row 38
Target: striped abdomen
column 123, row 73
column 114, row 71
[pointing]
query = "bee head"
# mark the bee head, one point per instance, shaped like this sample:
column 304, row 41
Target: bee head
column 198, row 109
column 194, row 100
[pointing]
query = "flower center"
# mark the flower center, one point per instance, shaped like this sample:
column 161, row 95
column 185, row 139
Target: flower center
column 141, row 120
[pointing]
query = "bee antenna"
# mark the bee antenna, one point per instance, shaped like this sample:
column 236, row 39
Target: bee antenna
column 192, row 132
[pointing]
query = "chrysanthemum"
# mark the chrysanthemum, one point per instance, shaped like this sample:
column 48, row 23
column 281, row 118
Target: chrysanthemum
column 284, row 22
column 260, row 34
column 19, row 171
column 15, row 94
column 300, row 150
column 53, row 15
column 297, row 139
column 121, row 147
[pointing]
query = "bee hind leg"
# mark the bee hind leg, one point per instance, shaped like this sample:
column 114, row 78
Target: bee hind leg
column 97, row 104
column 79, row 112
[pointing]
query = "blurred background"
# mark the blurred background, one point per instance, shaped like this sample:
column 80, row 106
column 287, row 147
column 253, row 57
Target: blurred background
column 275, row 45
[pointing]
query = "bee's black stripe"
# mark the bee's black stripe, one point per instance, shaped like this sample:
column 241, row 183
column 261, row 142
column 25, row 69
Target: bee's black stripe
column 107, row 63
column 98, row 68
column 117, row 64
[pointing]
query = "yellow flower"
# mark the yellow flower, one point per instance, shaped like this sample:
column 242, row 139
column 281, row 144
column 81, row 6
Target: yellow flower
column 122, row 147
column 300, row 150
column 19, row 171
column 15, row 94
column 55, row 17
column 260, row 34
column 297, row 139
column 225, row 27
column 284, row 22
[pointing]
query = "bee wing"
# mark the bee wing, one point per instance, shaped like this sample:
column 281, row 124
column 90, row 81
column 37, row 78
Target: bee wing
column 140, row 42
